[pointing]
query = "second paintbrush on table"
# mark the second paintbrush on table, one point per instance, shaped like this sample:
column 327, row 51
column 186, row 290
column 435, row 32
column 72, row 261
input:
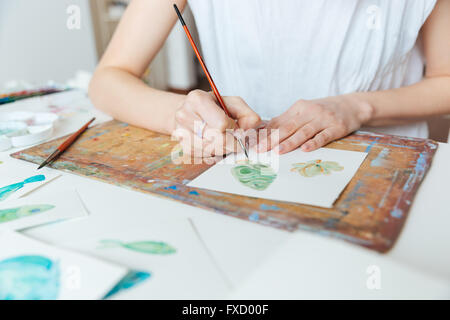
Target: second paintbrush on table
column 66, row 144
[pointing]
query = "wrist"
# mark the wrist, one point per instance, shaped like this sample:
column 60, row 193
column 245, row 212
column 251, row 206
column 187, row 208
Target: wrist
column 364, row 109
column 178, row 102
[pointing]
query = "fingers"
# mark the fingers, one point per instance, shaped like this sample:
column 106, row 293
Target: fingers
column 205, row 105
column 286, row 127
column 323, row 138
column 200, row 114
column 213, row 144
column 302, row 135
column 308, row 124
column 200, row 106
column 242, row 113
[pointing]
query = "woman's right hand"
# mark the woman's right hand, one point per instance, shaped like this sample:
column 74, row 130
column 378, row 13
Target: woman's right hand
column 204, row 129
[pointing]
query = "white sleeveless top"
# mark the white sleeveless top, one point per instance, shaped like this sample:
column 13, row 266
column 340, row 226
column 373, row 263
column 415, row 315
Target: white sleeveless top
column 274, row 52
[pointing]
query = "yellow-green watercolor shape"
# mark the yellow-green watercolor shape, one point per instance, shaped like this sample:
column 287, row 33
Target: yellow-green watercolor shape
column 147, row 247
column 316, row 167
column 256, row 176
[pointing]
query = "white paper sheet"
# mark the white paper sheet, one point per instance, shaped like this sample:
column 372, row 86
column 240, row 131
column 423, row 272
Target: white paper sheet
column 38, row 209
column 319, row 190
column 184, row 271
column 14, row 187
column 238, row 256
column 310, row 266
column 32, row 270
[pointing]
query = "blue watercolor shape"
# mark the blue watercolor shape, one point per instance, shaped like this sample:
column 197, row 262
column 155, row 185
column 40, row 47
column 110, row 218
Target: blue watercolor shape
column 133, row 278
column 29, row 278
column 194, row 193
column 5, row 192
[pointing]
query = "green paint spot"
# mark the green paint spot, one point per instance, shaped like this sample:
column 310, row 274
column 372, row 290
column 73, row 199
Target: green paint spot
column 10, row 214
column 147, row 247
column 316, row 167
column 256, row 176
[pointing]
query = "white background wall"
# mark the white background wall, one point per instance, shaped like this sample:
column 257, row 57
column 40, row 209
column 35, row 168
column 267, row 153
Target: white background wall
column 35, row 44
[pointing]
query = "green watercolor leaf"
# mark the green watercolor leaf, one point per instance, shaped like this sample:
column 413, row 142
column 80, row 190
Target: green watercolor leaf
column 147, row 247
column 256, row 176
column 150, row 247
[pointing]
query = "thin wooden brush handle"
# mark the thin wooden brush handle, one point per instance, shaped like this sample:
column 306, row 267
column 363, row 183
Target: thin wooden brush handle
column 74, row 136
column 202, row 63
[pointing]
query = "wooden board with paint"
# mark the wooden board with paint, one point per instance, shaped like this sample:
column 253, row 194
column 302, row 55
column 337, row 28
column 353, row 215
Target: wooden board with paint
column 370, row 211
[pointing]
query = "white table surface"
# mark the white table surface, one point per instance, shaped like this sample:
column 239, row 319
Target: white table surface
column 262, row 262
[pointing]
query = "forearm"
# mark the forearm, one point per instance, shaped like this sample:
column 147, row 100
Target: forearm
column 427, row 98
column 127, row 98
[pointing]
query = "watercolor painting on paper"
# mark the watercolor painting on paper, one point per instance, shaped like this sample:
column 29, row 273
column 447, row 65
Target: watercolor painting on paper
column 314, row 178
column 10, row 214
column 131, row 280
column 29, row 277
column 36, row 209
column 32, row 270
column 14, row 187
column 165, row 255
column 147, row 247
column 316, row 167
column 256, row 176
column 6, row 191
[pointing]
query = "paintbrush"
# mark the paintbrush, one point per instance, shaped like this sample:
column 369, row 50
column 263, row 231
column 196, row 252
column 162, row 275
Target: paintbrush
column 208, row 75
column 66, row 144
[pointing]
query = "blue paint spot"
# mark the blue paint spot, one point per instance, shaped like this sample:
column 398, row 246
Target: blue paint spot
column 132, row 279
column 355, row 194
column 370, row 146
column 371, row 208
column 29, row 278
column 266, row 207
column 195, row 193
column 378, row 161
column 171, row 188
column 254, row 216
column 397, row 213
column 37, row 178
column 408, row 182
column 421, row 163
column 5, row 192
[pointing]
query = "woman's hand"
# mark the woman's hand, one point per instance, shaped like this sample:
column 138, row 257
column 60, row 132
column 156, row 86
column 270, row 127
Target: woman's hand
column 315, row 123
column 201, row 125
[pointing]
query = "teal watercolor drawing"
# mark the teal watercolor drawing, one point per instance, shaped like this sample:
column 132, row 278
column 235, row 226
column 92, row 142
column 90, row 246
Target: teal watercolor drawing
column 132, row 279
column 30, row 277
column 256, row 176
column 5, row 192
column 147, row 247
column 316, row 167
column 10, row 214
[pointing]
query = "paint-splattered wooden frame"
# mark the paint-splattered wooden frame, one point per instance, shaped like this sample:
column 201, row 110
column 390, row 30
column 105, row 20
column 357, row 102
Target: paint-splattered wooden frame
column 370, row 212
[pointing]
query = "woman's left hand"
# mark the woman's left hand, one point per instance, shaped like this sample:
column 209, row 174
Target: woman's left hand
column 311, row 124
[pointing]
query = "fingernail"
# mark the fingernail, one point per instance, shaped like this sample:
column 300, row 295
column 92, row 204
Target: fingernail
column 305, row 148
column 280, row 149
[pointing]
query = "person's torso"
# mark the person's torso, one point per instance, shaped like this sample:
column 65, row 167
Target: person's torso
column 273, row 52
